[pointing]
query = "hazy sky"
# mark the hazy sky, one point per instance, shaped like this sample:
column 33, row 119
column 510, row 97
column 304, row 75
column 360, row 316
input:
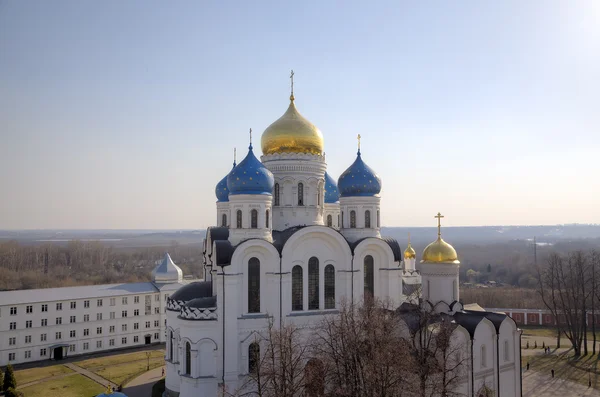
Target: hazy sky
column 124, row 114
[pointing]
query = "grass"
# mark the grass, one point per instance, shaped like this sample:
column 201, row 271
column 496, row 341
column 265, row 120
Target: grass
column 529, row 330
column 113, row 360
column 122, row 373
column 69, row 386
column 567, row 367
column 32, row 374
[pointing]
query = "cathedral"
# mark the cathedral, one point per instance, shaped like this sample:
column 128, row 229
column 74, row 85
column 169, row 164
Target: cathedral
column 290, row 244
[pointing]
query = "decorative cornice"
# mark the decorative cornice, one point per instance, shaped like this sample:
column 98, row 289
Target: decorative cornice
column 194, row 313
column 292, row 156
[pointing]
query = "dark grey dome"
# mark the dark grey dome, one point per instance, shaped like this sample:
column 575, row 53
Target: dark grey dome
column 198, row 289
column 203, row 303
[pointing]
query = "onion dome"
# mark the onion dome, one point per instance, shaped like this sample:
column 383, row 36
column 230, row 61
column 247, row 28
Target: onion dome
column 359, row 180
column 440, row 251
column 409, row 252
column 331, row 190
column 197, row 289
column 292, row 133
column 221, row 190
column 250, row 176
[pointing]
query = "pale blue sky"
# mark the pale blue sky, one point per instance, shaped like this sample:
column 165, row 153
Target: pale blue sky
column 123, row 114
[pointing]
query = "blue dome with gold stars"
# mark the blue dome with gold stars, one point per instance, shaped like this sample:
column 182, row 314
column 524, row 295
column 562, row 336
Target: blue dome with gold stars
column 331, row 190
column 359, row 180
column 221, row 190
column 250, row 176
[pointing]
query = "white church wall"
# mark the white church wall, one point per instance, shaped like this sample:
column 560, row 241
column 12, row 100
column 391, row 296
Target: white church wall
column 510, row 368
column 383, row 258
column 484, row 356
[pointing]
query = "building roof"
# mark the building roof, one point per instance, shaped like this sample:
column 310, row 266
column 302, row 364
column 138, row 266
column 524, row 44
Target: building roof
column 72, row 293
column 167, row 271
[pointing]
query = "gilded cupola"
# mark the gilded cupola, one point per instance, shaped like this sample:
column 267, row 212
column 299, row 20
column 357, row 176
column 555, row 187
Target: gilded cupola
column 440, row 251
column 292, row 133
column 409, row 252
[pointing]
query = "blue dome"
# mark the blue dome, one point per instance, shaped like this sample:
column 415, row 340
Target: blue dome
column 331, row 190
column 221, row 190
column 359, row 180
column 250, row 176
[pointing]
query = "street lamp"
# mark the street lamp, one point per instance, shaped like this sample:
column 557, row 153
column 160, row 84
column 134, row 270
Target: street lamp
column 148, row 357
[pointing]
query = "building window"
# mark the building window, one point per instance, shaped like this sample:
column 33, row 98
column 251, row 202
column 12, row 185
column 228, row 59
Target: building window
column 86, row 332
column 267, row 219
column 369, row 276
column 86, row 304
column 253, row 285
column 113, row 301
column 238, row 219
column 124, row 327
column 329, row 220
column 254, row 219
column 329, row 287
column 28, row 339
column 124, row 313
column 147, row 324
column 12, row 341
column 342, row 225
column 28, row 324
column 73, row 319
column 86, row 345
column 338, row 220
column 483, row 357
column 42, row 337
column 136, row 312
column 378, row 225
column 506, row 351
column 111, row 342
column 73, row 305
column 188, row 358
column 156, row 323
column 44, row 308
column 136, row 299
column 42, row 352
column 124, row 300
column 276, row 194
column 29, row 309
column 71, row 348
column 112, row 315
column 313, row 284
column 11, row 356
column 367, row 219
column 98, row 316
column 156, row 335
column 136, row 325
column 13, row 311
column 157, row 298
column 99, row 303
column 124, row 341
column 224, row 220
column 352, row 219
column 44, row 322
column 157, row 310
column 86, row 318
column 58, row 335
column 297, row 288
column 136, row 339
column 58, row 320
column 98, row 330
column 13, row 325
column 111, row 329
column 98, row 344
column 72, row 334
column 300, row 193
column 59, row 306
column 253, row 357
column 27, row 353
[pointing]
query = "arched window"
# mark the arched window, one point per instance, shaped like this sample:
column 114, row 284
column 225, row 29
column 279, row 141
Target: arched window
column 483, row 357
column 300, row 193
column 297, row 288
column 253, row 357
column 367, row 219
column 378, row 225
column 369, row 277
column 253, row 285
column 171, row 346
column 224, row 220
column 352, row 219
column 188, row 358
column 276, row 194
column 238, row 216
column 254, row 219
column 338, row 220
column 506, row 351
column 314, row 378
column 329, row 220
column 267, row 219
column 313, row 284
column 318, row 196
column 329, row 287
column 342, row 225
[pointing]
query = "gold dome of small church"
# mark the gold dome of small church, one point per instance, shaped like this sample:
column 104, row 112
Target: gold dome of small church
column 292, row 133
column 409, row 252
column 440, row 251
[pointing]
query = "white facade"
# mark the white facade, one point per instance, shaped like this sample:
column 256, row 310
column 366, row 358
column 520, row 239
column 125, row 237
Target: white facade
column 51, row 323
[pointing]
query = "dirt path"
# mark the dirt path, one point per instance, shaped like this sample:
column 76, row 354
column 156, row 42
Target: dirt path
column 539, row 384
column 142, row 385
column 88, row 374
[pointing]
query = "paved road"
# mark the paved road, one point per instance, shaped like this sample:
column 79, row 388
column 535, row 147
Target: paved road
column 142, row 385
column 537, row 384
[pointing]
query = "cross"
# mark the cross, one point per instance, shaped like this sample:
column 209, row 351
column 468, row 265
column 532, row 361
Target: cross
column 234, row 157
column 408, row 238
column 250, row 138
column 292, row 79
column 358, row 137
column 439, row 217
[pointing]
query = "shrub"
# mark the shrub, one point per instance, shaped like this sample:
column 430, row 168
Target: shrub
column 10, row 382
column 11, row 392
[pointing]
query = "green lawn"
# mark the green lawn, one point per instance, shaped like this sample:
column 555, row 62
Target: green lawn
column 69, row 386
column 120, row 359
column 121, row 373
column 566, row 367
column 29, row 375
column 550, row 332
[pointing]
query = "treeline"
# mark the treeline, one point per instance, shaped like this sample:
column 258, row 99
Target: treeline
column 85, row 263
column 501, row 298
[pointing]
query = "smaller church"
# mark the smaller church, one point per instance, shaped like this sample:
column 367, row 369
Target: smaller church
column 291, row 243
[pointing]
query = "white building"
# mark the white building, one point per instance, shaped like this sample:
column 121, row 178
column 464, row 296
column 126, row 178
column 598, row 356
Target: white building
column 291, row 245
column 54, row 323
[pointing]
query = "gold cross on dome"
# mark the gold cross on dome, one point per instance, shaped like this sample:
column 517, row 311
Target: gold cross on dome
column 439, row 217
column 292, row 79
column 358, row 137
column 250, row 136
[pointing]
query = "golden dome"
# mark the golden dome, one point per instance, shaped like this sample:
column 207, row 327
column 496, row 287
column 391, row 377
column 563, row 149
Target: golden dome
column 292, row 133
column 440, row 252
column 410, row 253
